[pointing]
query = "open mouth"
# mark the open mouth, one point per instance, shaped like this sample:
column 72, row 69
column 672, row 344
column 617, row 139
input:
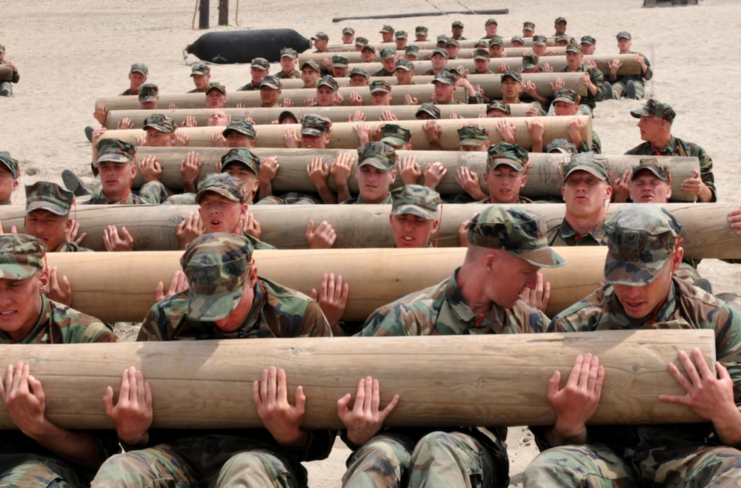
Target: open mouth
column 9, row 313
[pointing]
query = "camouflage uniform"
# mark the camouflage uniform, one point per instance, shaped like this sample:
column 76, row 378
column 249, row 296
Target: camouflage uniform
column 639, row 80
column 676, row 146
column 504, row 153
column 595, row 75
column 386, row 53
column 12, row 165
column 199, row 69
column 395, row 135
column 447, row 78
column 380, row 156
column 148, row 92
column 289, row 53
column 481, row 54
column 135, row 68
column 523, row 97
column 642, row 237
column 6, row 85
column 217, row 267
column 23, row 461
column 44, row 195
column 441, row 52
column 259, row 63
column 569, row 96
column 464, row 456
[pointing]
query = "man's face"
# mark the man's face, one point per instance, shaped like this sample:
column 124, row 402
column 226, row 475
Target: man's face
column 321, row 44
column 496, row 51
column 560, row 28
column 215, row 99
column 269, row 96
column 404, row 77
column 516, row 44
column 7, row 184
column 218, row 117
column 235, row 139
column 2, row 56
column 135, row 80
column 527, row 33
column 444, row 93
column 234, row 320
column 201, row 81
column 624, row 45
column 574, row 60
column 588, row 49
column 374, row 183
column 257, row 75
column 358, row 80
column 504, row 184
column 651, row 127
column 20, row 303
column 424, row 116
column 641, row 301
column 116, row 178
column 482, row 65
column 381, row 98
column 367, row 56
column 496, row 113
column 249, row 179
column 219, row 214
column 457, row 31
column 156, row 138
column 539, row 50
column 389, row 64
column 347, row 38
column 491, row 30
column 339, row 72
column 411, row 57
column 453, row 51
column 287, row 64
column 564, row 108
column 480, row 148
column 439, row 62
column 314, row 142
column 325, row 96
column 510, row 89
column 507, row 278
column 309, row 77
column 47, row 227
column 412, row 231
column 149, row 105
column 421, row 37
column 401, row 44
column 387, row 36
column 585, row 195
column 647, row 188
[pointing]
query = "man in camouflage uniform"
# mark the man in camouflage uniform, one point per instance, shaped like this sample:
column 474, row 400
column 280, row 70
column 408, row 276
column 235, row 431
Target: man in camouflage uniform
column 457, row 31
column 411, row 53
column 375, row 172
column 327, row 93
column 656, row 120
column 367, row 54
column 560, row 26
column 481, row 60
column 348, row 35
column 540, row 46
column 201, row 74
column 310, row 74
column 9, row 174
column 258, row 69
column 491, row 26
column 631, row 86
column 387, row 33
column 446, row 86
column 528, row 29
column 40, row 453
column 562, row 40
column 321, row 39
column 215, row 95
column 566, row 103
column 514, row 90
column 496, row 47
column 439, row 60
column 592, row 78
column 451, row 45
column 360, row 42
column 358, row 77
column 288, row 60
column 225, row 300
column 137, row 77
column 428, row 111
column 388, row 60
column 561, row 146
column 507, row 247
column 589, row 47
column 149, row 95
column 404, row 72
column 641, row 293
column 270, row 90
column 339, row 65
column 6, row 89
column 498, row 109
column 516, row 41
column 401, row 38
column 47, row 216
column 420, row 33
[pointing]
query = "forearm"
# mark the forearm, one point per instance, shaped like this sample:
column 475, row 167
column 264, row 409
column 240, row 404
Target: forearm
column 476, row 193
column 556, row 438
column 729, row 431
column 343, row 193
column 79, row 447
column 265, row 189
column 706, row 194
column 540, row 98
column 435, row 145
column 188, row 187
column 537, row 146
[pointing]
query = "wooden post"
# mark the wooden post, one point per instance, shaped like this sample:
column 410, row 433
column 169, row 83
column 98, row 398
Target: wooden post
column 204, row 13
column 223, row 12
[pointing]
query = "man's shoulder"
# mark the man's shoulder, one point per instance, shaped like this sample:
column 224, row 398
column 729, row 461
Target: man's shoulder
column 290, row 300
column 579, row 315
column 690, row 148
column 425, row 301
column 642, row 148
column 78, row 327
column 181, row 199
column 413, row 314
column 164, row 317
column 127, row 93
column 248, row 87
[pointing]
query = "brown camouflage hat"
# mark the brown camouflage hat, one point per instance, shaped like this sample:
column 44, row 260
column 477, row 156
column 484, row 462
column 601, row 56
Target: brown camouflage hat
column 652, row 165
column 380, row 86
column 10, row 163
column 654, row 108
column 223, row 184
column 446, row 78
column 624, row 35
column 243, row 156
column 315, row 125
column 404, row 65
column 386, row 29
column 517, row 39
column 472, row 135
column 320, row 36
column 566, row 95
column 491, row 21
column 260, row 63
column 148, row 92
column 540, row 40
column 200, row 69
column 241, row 127
column 116, row 151
column 328, row 81
column 641, row 238
column 377, row 154
column 511, row 155
column 361, row 41
column 530, row 61
column 348, row 30
column 287, row 52
column 339, row 61
column 412, row 50
column 481, row 54
column 388, row 53
column 368, row 47
column 2, row 48
column 573, row 47
column 458, row 71
column 458, row 23
column 160, row 122
column 441, row 52
column 358, row 71
column 512, row 73
column 217, row 267
column 560, row 19
column 429, row 108
column 21, row 256
column 442, row 38
column 215, row 85
column 420, row 30
column 518, row 231
column 496, row 41
column 271, row 81
column 45, row 195
column 451, row 42
column 401, row 35
column 311, row 64
column 561, row 146
column 529, row 26
column 140, row 68
column 588, row 40
column 590, row 162
column 417, row 200
column 499, row 105
column 396, row 135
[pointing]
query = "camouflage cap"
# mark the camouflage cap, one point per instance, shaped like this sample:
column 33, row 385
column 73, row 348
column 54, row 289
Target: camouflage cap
column 573, row 47
column 10, row 163
column 21, row 256
column 200, row 69
column 560, row 19
column 481, row 54
column 328, row 81
column 440, row 51
column 271, row 81
column 499, row 105
column 240, row 127
column 451, row 42
column 404, row 65
column 45, row 195
column 530, row 61
column 388, row 53
column 380, row 86
column 348, row 30
column 215, row 85
column 358, row 71
column 590, row 162
column 116, row 151
column 588, row 40
column 540, row 40
column 315, row 125
column 377, row 154
column 287, row 52
column 148, row 92
column 511, row 155
column 515, row 230
column 496, row 41
column 160, row 122
column 216, row 266
column 429, row 108
column 401, row 35
column 286, row 114
column 640, row 240
column 472, row 135
column 491, row 21
column 446, row 78
column 417, row 200
column 624, row 35
column 310, row 64
column 420, row 30
column 140, row 68
column 223, row 184
column 339, row 61
column 369, row 48
column 320, row 36
column 517, row 39
column 2, row 48
column 566, row 95
column 458, row 71
column 481, row 43
column 652, row 165
column 361, row 41
column 528, row 26
column 260, row 63
column 243, row 156
column 442, row 38
column 654, row 108
column 395, row 135
column 512, row 73
column 386, row 29
column 412, row 50
column 561, row 146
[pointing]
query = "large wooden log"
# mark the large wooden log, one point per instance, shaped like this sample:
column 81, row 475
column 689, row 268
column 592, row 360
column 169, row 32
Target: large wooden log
column 465, row 53
column 252, row 98
column 467, row 44
column 345, row 137
column 482, row 380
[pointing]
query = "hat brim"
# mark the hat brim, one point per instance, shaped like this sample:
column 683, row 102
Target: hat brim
column 270, row 85
column 505, row 76
column 114, row 158
column 471, row 142
column 376, row 163
column 220, row 191
column 654, row 171
column 339, row 65
column 207, row 308
column 158, row 127
column 228, row 131
column 250, row 167
column 416, row 211
column 431, row 114
column 529, row 66
column 148, row 98
column 482, row 58
column 564, row 100
column 309, row 131
column 13, row 171
column 506, row 162
column 379, row 89
column 545, row 257
column 641, row 112
column 629, row 273
column 587, row 169
column 48, row 206
column 393, row 141
column 327, row 85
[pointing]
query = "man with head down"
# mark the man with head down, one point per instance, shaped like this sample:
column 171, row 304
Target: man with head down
column 640, row 292
column 226, row 299
column 9, row 175
column 507, row 247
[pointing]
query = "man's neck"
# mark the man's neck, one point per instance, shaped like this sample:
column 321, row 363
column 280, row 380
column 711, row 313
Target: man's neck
column 117, row 197
column 661, row 141
column 374, row 202
column 516, row 99
column 468, row 283
column 584, row 225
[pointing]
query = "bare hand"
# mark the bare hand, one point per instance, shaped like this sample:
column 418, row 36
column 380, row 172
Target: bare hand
column 615, row 66
column 469, row 181
column 59, row 292
column 190, row 168
column 410, row 100
column 338, row 99
column 434, row 174
column 409, row 170
column 574, row 128
column 387, row 116
column 70, row 234
column 356, row 99
column 535, row 128
column 558, row 85
column 364, row 420
column 363, row 131
column 282, row 419
column 189, row 229
column 124, row 124
column 287, row 102
column 178, row 284
column 101, row 113
column 331, row 297
column 189, row 121
column 114, row 243
column 251, row 226
column 433, row 131
column 693, row 185
column 309, row 101
column 621, row 187
column 341, row 168
column 358, row 116
column 219, row 140
column 734, row 218
column 318, row 172
column 150, row 168
column 507, row 130
column 268, row 169
column 24, row 399
column 133, row 413
column 293, row 140
column 538, row 297
column 181, row 138
column 321, row 238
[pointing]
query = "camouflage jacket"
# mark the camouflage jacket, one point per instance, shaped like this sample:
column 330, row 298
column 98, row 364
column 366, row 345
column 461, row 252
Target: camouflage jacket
column 565, row 235
column 641, row 77
column 282, row 76
column 597, row 78
column 383, row 72
column 15, row 76
column 678, row 147
column 520, row 199
column 596, row 145
column 686, row 307
column 71, row 247
column 7, row 203
column 128, row 93
column 442, row 310
column 151, row 193
column 196, row 90
column 248, row 87
column 487, row 72
column 359, row 201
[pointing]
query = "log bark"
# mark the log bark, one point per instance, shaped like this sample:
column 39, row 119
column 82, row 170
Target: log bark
column 345, row 137
column 499, row 11
column 467, row 44
column 464, row 54
column 483, row 380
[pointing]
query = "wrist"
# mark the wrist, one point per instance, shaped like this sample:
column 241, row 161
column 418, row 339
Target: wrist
column 38, row 430
column 357, row 438
column 134, row 440
column 567, row 432
column 298, row 438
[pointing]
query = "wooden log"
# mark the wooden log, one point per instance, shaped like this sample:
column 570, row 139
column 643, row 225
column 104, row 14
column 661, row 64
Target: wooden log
column 467, row 44
column 500, row 11
column 223, row 12
column 467, row 54
column 482, row 380
column 252, row 98
column 6, row 73
column 345, row 137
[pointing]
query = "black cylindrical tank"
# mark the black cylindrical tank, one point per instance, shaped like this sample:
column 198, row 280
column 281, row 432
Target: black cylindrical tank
column 245, row 45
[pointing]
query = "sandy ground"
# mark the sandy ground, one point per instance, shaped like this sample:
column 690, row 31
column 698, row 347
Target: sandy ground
column 73, row 51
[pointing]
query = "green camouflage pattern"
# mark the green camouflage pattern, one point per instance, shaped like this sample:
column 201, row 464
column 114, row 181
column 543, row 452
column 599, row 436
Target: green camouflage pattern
column 288, row 52
column 241, row 127
column 29, row 470
column 496, row 41
column 368, row 47
column 491, row 21
column 472, row 135
column 652, row 165
column 260, row 63
column 360, row 201
column 400, row 35
column 481, row 54
column 678, row 147
column 291, row 198
column 528, row 26
column 565, row 235
column 591, row 163
column 339, row 61
column 315, row 125
column 560, row 19
column 573, row 47
column 562, row 146
column 200, row 69
column 623, row 35
column 517, row 39
column 358, row 71
column 242, row 156
column 215, row 85
column 384, row 461
column 361, row 41
column 151, row 193
column 446, row 78
column 598, row 78
column 441, row 52
column 395, row 135
column 511, row 73
column 429, row 108
column 387, row 53
column 380, row 86
column 412, row 50
column 420, row 30
column 328, row 81
column 566, row 95
column 10, row 163
column 386, row 29
column 293, row 75
column 415, row 200
column 639, row 80
column 588, row 40
column 509, row 154
column 499, row 105
column 515, row 230
column 148, row 92
column 481, row 43
column 348, row 30
column 271, row 81
column 139, row 68
column 457, row 23
column 404, row 65
column 640, row 239
column 222, row 184
column 540, row 40
column 459, row 71
column 451, row 42
column 654, row 108
column 45, row 195
column 70, row 247
column 377, row 154
column 21, row 256
column 160, row 122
